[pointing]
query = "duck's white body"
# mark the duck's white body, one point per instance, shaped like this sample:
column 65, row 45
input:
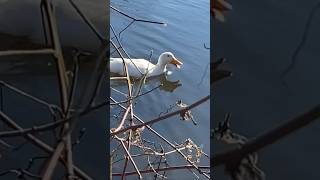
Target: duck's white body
column 139, row 67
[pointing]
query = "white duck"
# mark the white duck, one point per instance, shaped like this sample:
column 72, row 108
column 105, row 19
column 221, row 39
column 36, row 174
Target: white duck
column 116, row 65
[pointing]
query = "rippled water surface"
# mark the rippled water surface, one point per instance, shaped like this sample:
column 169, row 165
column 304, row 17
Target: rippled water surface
column 258, row 40
column 185, row 34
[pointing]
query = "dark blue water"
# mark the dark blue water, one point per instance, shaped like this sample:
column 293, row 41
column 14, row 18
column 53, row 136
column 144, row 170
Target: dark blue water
column 258, row 40
column 187, row 31
column 23, row 18
column 37, row 75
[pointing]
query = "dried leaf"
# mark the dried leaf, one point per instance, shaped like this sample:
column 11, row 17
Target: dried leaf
column 218, row 7
column 136, row 136
column 219, row 74
column 194, row 152
column 185, row 115
column 242, row 169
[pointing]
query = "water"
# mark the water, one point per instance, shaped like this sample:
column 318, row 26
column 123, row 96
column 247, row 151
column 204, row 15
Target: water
column 37, row 75
column 258, row 41
column 186, row 33
column 23, row 18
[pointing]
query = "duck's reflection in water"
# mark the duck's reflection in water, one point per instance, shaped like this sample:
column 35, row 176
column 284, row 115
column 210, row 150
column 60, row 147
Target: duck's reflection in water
column 167, row 85
column 162, row 82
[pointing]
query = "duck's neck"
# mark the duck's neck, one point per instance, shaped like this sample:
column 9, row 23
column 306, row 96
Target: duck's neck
column 160, row 66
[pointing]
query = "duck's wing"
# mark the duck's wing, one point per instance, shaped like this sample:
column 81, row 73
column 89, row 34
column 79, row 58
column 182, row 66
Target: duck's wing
column 136, row 67
column 116, row 65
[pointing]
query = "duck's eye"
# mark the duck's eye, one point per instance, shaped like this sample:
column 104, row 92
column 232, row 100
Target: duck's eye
column 168, row 55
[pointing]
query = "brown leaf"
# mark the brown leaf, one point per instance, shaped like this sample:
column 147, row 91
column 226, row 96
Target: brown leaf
column 185, row 115
column 218, row 7
column 219, row 74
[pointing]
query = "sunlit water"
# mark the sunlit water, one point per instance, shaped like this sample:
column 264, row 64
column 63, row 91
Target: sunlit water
column 185, row 34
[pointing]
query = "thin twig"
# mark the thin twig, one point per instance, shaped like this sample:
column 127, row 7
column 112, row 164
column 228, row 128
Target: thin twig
column 162, row 169
column 195, row 104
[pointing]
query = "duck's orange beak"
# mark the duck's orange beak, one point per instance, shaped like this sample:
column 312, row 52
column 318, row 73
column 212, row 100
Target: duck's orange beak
column 176, row 62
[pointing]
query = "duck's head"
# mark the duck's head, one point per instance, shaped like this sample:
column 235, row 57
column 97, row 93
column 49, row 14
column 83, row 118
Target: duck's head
column 168, row 58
